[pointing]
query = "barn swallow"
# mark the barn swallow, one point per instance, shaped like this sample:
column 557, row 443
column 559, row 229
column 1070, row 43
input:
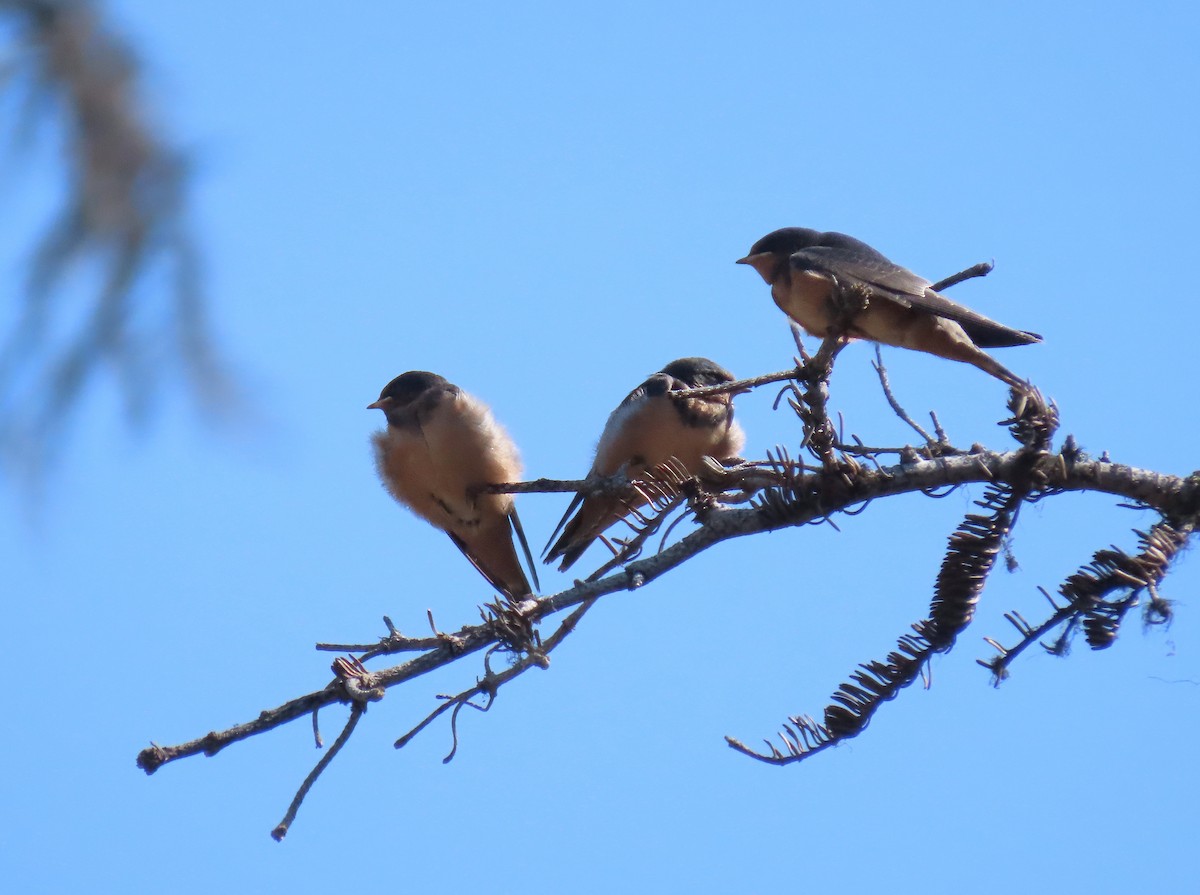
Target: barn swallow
column 439, row 446
column 807, row 270
column 648, row 427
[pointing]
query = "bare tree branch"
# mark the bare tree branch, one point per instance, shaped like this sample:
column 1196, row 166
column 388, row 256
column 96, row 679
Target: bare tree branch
column 1111, row 570
column 982, row 269
column 815, row 496
column 750, row 497
column 886, row 385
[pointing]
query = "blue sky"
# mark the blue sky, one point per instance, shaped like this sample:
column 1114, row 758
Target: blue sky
column 543, row 203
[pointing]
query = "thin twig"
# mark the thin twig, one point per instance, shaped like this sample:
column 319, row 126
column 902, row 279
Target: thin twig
column 385, row 645
column 736, row 386
column 982, row 269
column 891, row 398
column 631, row 547
column 552, row 486
column 492, row 682
column 356, row 712
column 938, row 430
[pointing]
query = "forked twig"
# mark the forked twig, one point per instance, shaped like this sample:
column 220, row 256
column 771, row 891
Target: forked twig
column 281, row 829
column 899, row 410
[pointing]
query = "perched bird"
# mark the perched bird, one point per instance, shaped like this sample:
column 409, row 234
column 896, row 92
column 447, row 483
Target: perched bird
column 648, row 427
column 439, row 445
column 807, row 271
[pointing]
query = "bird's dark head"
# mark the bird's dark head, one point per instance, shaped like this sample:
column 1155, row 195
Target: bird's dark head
column 407, row 388
column 770, row 254
column 697, row 372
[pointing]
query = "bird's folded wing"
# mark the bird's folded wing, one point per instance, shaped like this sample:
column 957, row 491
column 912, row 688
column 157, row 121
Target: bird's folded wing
column 514, row 586
column 515, row 521
column 855, row 263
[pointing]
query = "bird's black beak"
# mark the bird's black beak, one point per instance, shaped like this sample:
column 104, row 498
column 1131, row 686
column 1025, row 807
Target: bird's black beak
column 763, row 262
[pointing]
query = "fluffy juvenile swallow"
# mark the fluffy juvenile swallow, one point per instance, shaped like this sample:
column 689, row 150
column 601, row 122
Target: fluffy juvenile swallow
column 648, row 427
column 440, row 443
column 806, row 269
